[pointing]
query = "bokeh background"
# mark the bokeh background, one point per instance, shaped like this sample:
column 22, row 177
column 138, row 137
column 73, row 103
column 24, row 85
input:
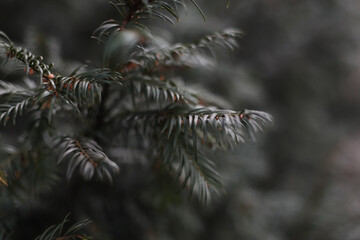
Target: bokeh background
column 298, row 60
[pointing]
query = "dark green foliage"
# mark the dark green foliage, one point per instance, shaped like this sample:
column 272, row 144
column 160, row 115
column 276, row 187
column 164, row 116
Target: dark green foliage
column 86, row 155
column 134, row 12
column 57, row 232
column 15, row 100
column 185, row 55
column 135, row 95
column 136, row 65
column 186, row 130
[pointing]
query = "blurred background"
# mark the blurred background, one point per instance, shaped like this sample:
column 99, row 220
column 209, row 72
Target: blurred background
column 298, row 60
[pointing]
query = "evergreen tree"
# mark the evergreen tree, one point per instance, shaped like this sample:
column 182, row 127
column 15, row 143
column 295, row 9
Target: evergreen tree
column 133, row 106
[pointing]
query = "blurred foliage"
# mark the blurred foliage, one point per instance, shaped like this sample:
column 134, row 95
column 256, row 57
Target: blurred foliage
column 297, row 60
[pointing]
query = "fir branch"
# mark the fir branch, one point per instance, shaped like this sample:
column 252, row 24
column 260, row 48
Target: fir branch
column 179, row 128
column 140, row 68
column 225, row 122
column 179, row 55
column 57, row 232
column 14, row 101
column 214, row 127
column 86, row 87
column 13, row 109
column 132, row 12
column 197, row 175
column 157, row 89
column 78, row 89
column 32, row 62
column 87, row 156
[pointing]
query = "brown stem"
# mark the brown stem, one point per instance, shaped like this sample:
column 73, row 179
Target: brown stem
column 85, row 154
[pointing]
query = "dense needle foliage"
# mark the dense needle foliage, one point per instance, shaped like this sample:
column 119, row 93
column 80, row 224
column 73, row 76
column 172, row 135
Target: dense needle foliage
column 133, row 101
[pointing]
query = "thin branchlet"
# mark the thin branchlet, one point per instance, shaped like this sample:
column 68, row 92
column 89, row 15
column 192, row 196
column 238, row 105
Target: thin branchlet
column 85, row 154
